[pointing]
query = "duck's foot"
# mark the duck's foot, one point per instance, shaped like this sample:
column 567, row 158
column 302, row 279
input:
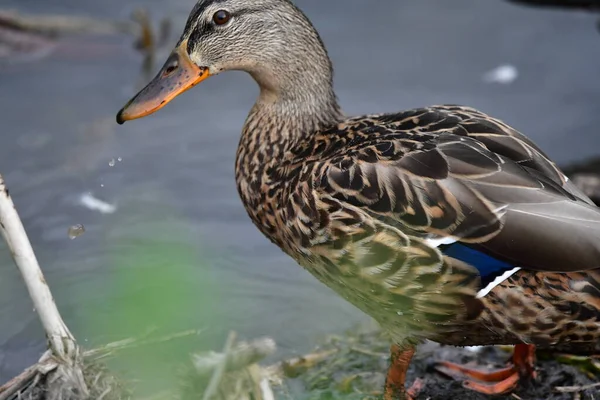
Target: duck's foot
column 498, row 381
column 395, row 381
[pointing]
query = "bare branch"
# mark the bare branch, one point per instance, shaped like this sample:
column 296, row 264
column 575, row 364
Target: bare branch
column 61, row 340
column 63, row 348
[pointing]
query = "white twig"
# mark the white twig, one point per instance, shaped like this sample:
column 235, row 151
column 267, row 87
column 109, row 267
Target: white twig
column 213, row 384
column 137, row 342
column 241, row 356
column 62, row 342
column 266, row 390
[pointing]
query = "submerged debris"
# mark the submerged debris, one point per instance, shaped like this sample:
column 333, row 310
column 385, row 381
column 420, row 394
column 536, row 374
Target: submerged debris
column 232, row 374
column 75, row 231
column 18, row 46
column 27, row 37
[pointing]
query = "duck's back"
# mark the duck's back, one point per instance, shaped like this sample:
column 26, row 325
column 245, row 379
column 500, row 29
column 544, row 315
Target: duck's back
column 424, row 219
column 448, row 171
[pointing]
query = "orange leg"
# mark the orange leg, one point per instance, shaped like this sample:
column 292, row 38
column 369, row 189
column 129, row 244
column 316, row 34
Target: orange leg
column 499, row 381
column 396, row 377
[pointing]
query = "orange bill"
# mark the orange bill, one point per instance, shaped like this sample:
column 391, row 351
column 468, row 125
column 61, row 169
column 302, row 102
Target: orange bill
column 177, row 75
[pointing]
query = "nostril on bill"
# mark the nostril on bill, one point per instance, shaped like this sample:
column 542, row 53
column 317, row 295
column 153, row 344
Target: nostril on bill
column 170, row 69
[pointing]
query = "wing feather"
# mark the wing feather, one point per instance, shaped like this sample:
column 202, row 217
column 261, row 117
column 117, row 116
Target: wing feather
column 454, row 172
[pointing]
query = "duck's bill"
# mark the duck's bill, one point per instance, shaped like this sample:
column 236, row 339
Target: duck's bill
column 177, row 75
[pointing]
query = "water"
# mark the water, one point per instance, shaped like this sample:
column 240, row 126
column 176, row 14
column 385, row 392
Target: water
column 167, row 180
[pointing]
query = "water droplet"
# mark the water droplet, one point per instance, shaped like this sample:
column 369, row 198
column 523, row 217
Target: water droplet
column 102, row 185
column 119, row 159
column 400, row 313
column 111, row 163
column 76, row 231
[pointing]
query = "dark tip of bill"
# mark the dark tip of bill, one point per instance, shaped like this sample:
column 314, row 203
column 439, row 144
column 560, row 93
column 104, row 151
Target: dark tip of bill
column 120, row 119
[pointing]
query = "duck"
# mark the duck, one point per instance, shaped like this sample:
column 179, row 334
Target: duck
column 442, row 223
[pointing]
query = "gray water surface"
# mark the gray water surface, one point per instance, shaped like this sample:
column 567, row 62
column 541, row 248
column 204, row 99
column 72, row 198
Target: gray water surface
column 175, row 182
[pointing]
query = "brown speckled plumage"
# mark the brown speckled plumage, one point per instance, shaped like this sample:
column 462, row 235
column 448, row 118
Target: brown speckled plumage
column 389, row 210
column 356, row 202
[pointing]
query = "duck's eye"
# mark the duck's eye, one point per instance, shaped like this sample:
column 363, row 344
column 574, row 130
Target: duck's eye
column 221, row 17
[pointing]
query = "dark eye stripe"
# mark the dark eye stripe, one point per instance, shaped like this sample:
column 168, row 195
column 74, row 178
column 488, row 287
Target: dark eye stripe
column 205, row 28
column 202, row 30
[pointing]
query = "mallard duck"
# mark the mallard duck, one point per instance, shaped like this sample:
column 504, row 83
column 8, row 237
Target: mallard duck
column 441, row 223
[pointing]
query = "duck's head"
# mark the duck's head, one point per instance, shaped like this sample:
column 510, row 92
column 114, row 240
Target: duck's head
column 270, row 39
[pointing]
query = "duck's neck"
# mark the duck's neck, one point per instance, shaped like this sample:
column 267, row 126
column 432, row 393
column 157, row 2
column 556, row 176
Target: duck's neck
column 296, row 100
column 275, row 124
column 271, row 130
column 287, row 111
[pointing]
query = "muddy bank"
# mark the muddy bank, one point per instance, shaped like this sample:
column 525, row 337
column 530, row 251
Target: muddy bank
column 353, row 366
